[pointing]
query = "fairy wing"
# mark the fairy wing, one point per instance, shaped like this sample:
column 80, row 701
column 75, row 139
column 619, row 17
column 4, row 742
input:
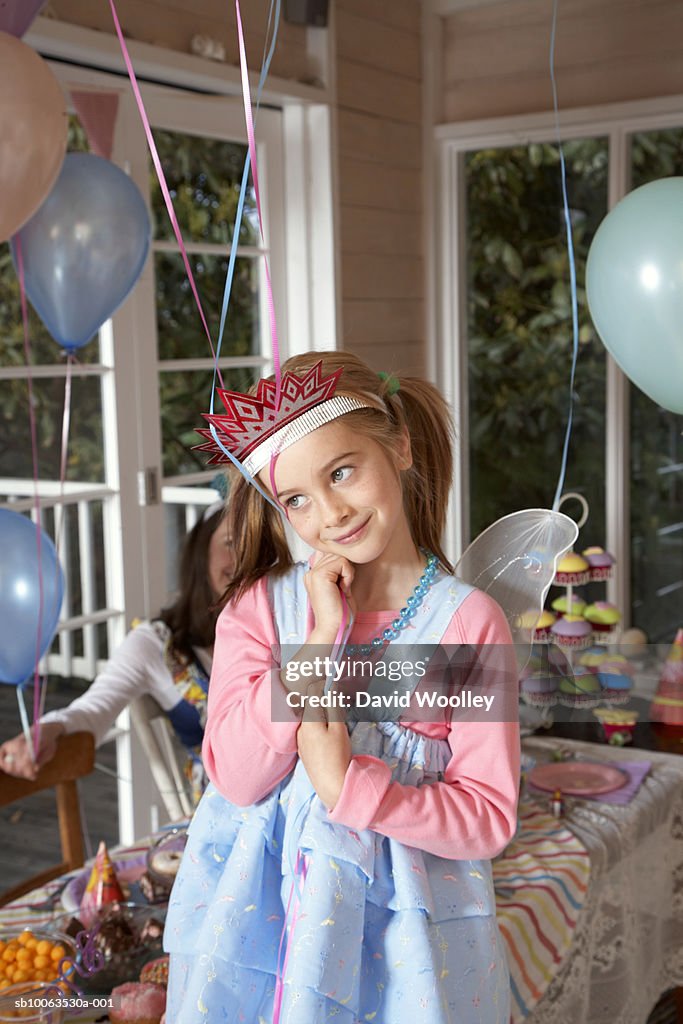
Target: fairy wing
column 514, row 561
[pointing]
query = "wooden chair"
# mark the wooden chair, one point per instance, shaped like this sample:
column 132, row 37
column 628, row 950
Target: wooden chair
column 75, row 758
column 164, row 754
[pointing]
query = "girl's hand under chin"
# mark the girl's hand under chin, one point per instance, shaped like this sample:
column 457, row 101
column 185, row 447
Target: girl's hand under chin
column 329, row 576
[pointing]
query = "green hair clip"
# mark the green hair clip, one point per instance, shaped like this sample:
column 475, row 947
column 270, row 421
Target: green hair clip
column 393, row 383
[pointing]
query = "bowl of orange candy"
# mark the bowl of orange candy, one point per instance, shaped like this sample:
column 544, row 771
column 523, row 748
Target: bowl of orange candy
column 33, row 966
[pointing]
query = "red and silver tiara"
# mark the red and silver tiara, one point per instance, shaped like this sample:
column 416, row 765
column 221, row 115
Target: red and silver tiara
column 253, row 428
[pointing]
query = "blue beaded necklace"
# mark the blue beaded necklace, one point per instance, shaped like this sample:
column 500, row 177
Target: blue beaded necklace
column 405, row 615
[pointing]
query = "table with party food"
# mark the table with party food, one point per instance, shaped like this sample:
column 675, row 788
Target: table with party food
column 625, row 808
column 589, row 895
column 88, row 946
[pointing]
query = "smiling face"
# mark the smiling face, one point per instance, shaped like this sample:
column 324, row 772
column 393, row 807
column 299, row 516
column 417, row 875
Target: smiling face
column 342, row 492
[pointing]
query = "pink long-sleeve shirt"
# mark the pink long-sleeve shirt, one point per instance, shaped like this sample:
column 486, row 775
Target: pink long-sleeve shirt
column 471, row 814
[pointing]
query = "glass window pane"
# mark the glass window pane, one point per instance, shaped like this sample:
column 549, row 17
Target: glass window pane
column 520, row 332
column 85, row 453
column 184, row 397
column 656, row 455
column 203, row 178
column 180, row 331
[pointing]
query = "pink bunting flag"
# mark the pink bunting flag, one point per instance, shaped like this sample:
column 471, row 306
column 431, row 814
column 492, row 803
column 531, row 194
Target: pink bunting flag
column 97, row 113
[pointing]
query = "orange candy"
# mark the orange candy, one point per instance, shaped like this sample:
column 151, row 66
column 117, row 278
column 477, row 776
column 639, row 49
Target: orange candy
column 28, row 957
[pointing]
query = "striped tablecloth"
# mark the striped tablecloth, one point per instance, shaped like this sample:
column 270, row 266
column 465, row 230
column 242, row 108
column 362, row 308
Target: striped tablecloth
column 540, row 884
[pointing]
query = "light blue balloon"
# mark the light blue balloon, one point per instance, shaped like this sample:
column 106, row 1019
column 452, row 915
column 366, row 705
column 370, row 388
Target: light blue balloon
column 634, row 287
column 20, row 584
column 85, row 247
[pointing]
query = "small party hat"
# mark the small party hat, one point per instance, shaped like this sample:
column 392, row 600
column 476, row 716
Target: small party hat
column 667, row 705
column 102, row 888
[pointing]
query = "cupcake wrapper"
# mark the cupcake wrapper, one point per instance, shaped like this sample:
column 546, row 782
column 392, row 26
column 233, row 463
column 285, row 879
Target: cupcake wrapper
column 603, row 573
column 540, row 700
column 576, row 643
column 573, row 579
column 581, row 700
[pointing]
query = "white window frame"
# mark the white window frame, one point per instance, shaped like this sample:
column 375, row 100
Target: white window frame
column 300, row 181
column 448, row 340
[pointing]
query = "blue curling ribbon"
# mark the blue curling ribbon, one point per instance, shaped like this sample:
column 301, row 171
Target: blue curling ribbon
column 572, row 268
column 273, row 17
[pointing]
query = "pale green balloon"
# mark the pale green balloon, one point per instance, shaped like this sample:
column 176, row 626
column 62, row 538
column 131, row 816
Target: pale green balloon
column 634, row 287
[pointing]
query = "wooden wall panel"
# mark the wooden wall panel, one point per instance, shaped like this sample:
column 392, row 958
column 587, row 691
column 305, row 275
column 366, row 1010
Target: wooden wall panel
column 393, row 188
column 382, row 231
column 172, row 24
column 379, row 135
column 495, row 58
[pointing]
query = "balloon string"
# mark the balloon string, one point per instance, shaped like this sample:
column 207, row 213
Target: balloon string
column 572, row 267
column 273, row 17
column 162, row 180
column 268, row 51
column 33, row 746
column 246, row 95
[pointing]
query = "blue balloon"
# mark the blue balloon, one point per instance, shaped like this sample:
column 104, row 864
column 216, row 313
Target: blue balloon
column 20, row 584
column 85, row 247
column 634, row 287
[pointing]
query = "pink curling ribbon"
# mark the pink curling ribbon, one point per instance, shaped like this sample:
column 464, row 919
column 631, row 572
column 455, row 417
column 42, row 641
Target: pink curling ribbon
column 162, row 180
column 300, row 869
column 246, row 94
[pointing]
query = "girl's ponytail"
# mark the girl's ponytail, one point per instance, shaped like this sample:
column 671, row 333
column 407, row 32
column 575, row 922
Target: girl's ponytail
column 427, row 484
column 258, row 537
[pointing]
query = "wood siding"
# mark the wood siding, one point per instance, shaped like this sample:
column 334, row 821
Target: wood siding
column 379, row 138
column 171, row 24
column 496, row 57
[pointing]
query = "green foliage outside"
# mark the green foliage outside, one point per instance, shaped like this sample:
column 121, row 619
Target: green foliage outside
column 520, row 329
column 656, row 455
column 204, row 178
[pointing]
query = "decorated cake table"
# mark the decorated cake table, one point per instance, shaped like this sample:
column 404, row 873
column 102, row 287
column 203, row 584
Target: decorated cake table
column 590, row 906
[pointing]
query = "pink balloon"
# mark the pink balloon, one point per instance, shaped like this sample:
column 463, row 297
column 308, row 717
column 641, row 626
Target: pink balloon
column 33, row 127
column 17, row 15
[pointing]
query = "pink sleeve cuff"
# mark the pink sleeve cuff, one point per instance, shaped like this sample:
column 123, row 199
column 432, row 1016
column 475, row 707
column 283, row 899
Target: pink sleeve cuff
column 365, row 784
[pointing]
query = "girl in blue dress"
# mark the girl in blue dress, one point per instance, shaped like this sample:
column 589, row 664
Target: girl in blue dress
column 340, row 869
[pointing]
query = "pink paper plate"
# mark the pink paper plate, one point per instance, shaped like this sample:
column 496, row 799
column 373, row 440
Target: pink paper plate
column 577, row 778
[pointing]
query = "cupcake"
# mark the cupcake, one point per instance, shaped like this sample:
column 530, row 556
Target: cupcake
column 581, row 689
column 563, row 606
column 537, row 626
column 539, row 689
column 572, row 570
column 615, row 675
column 600, row 562
column 572, row 631
column 618, row 725
column 603, row 617
column 593, row 657
column 137, row 1002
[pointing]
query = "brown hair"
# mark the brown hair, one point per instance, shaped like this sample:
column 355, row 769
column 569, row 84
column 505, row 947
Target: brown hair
column 192, row 616
column 418, row 407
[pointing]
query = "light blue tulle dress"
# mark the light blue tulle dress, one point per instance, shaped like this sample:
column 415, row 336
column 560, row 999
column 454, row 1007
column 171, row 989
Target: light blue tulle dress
column 376, row 931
